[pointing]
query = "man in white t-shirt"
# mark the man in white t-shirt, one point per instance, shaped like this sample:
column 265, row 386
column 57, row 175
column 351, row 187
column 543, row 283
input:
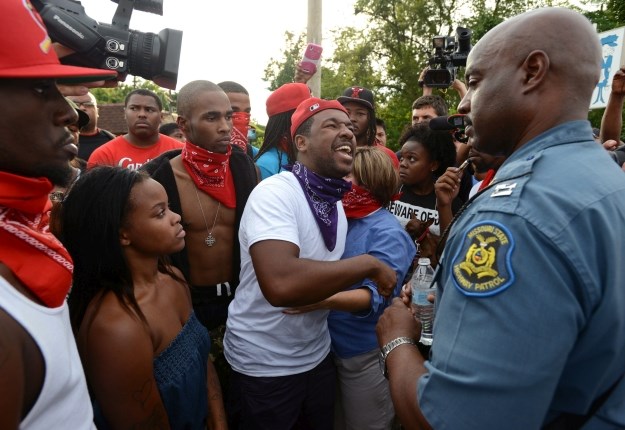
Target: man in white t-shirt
column 292, row 237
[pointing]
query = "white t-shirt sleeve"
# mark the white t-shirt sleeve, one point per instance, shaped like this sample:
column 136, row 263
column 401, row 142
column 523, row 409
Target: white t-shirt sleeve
column 272, row 212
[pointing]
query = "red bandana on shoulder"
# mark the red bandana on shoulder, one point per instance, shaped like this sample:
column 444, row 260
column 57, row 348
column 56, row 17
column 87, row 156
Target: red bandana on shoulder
column 359, row 202
column 27, row 247
column 210, row 171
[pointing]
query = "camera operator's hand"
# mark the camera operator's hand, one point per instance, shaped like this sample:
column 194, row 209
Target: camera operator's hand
column 618, row 82
column 460, row 88
column 82, row 88
column 422, row 75
column 427, row 91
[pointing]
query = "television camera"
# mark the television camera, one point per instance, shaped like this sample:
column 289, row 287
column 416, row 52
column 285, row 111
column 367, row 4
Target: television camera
column 114, row 46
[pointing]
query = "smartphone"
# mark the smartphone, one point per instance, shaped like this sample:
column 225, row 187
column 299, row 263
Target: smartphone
column 311, row 58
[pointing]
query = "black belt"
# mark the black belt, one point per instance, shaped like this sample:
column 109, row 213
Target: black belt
column 220, row 293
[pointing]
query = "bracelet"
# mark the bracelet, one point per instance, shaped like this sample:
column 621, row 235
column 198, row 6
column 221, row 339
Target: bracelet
column 386, row 350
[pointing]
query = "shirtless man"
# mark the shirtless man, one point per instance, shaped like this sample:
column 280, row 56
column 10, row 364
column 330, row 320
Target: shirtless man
column 210, row 199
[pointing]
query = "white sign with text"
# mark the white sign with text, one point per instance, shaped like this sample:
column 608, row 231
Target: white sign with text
column 613, row 57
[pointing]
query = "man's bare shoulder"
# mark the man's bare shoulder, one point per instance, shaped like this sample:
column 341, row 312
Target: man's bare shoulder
column 177, row 167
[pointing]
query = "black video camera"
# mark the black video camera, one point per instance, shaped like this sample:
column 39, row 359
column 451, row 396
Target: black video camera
column 114, row 46
column 449, row 54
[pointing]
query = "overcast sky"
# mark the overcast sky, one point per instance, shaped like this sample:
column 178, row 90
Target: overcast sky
column 234, row 39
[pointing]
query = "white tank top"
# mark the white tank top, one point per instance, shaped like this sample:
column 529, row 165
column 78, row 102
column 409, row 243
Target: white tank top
column 63, row 402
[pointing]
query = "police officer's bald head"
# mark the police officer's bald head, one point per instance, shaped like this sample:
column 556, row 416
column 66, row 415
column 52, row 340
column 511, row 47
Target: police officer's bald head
column 567, row 37
column 528, row 74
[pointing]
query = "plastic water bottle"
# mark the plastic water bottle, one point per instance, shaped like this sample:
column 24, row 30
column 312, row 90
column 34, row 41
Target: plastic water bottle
column 421, row 284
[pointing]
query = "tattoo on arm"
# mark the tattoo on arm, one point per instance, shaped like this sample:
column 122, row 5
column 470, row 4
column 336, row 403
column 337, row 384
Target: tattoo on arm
column 142, row 395
column 157, row 419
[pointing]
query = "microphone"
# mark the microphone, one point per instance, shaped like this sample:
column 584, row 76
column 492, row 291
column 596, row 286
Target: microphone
column 440, row 123
column 451, row 122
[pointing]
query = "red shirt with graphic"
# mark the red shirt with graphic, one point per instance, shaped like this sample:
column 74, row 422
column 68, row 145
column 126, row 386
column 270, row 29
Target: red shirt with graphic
column 120, row 152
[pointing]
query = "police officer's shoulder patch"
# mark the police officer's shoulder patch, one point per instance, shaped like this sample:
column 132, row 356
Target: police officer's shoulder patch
column 482, row 267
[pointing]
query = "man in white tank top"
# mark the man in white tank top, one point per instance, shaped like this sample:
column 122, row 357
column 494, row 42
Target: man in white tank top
column 42, row 385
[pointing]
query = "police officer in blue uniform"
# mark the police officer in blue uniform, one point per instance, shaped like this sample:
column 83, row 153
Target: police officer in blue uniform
column 530, row 325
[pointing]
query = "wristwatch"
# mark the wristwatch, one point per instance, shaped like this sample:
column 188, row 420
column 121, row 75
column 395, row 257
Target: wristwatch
column 386, row 350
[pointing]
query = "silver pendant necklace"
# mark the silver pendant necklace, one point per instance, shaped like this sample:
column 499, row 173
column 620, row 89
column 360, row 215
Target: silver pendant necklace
column 210, row 239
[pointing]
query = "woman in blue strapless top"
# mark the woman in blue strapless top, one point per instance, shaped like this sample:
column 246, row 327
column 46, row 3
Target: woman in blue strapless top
column 144, row 352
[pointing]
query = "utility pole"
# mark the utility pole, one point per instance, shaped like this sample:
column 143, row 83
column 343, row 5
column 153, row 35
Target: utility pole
column 314, row 35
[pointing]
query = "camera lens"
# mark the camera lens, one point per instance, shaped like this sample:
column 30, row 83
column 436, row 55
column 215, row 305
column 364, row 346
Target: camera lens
column 438, row 78
column 155, row 57
column 141, row 54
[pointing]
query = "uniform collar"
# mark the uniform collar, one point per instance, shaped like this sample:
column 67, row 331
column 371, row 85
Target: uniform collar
column 522, row 160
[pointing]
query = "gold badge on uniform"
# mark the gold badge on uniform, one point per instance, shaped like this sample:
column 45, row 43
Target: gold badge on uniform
column 483, row 266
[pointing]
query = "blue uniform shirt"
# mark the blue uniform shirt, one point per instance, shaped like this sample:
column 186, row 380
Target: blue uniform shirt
column 531, row 321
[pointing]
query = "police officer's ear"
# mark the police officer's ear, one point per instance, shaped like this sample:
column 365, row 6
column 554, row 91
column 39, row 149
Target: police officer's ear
column 534, row 70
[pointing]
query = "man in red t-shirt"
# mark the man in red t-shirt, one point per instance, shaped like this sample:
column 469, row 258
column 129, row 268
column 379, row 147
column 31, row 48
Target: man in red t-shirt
column 143, row 142
column 360, row 106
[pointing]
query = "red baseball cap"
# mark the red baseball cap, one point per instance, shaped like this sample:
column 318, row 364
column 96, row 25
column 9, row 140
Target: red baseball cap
column 287, row 98
column 26, row 50
column 310, row 107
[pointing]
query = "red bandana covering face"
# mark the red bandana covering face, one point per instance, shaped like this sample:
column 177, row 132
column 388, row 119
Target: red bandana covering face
column 359, row 202
column 240, row 127
column 210, row 172
column 27, row 247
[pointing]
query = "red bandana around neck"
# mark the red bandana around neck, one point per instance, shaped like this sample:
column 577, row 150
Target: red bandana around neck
column 210, row 171
column 490, row 174
column 27, row 247
column 359, row 202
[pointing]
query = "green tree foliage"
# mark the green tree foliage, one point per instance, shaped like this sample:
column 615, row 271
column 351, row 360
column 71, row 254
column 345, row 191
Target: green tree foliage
column 616, row 9
column 337, row 73
column 351, row 64
column 281, row 71
column 401, row 33
column 118, row 94
column 389, row 55
column 260, row 134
